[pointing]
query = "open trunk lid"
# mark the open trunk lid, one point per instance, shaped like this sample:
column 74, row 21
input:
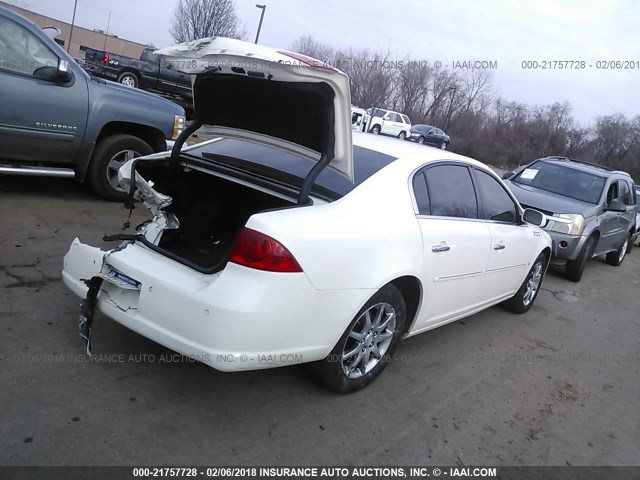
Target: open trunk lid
column 251, row 90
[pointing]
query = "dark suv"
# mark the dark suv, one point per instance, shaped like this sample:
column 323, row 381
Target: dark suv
column 594, row 205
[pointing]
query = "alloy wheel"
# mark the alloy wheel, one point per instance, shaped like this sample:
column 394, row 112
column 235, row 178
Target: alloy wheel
column 533, row 284
column 368, row 340
column 115, row 163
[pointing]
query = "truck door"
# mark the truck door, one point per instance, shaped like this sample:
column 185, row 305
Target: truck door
column 40, row 120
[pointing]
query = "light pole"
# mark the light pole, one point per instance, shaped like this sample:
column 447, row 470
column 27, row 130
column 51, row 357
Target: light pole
column 263, row 8
column 73, row 21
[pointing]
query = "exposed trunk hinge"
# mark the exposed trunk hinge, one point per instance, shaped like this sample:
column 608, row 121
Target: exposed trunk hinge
column 182, row 138
column 310, row 179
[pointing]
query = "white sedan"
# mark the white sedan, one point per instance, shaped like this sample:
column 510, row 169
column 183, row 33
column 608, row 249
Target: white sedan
column 286, row 241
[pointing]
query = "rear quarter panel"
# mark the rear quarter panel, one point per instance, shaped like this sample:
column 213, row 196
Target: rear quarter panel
column 364, row 240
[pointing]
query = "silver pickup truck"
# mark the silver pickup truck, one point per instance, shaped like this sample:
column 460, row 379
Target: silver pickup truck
column 57, row 120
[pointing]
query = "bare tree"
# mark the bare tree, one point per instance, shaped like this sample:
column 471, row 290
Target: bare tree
column 308, row 46
column 194, row 19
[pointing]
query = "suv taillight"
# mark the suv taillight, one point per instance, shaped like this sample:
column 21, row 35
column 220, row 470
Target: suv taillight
column 257, row 250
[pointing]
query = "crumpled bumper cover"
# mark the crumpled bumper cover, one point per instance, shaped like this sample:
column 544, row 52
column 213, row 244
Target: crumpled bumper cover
column 237, row 319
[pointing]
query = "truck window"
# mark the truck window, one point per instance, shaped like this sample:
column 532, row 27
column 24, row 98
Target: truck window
column 21, row 51
column 148, row 56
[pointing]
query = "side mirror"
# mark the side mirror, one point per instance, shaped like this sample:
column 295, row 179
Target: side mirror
column 64, row 74
column 534, row 217
column 616, row 205
column 507, row 175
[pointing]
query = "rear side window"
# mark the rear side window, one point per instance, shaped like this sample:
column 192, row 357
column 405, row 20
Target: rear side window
column 421, row 194
column 451, row 191
column 496, row 202
column 406, row 119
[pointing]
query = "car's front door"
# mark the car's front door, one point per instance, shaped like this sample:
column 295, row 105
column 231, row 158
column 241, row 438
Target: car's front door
column 432, row 137
column 40, row 120
column 512, row 241
column 456, row 243
column 610, row 223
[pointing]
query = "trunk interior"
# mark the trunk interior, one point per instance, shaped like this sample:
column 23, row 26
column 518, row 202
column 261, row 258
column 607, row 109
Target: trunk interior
column 211, row 211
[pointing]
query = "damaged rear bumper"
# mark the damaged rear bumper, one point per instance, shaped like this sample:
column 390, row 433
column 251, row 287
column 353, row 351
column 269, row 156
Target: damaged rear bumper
column 236, row 319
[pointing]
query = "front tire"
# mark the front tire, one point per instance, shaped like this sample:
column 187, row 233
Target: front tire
column 376, row 130
column 522, row 301
column 443, row 146
column 366, row 346
column 129, row 79
column 110, row 154
column 421, row 140
column 616, row 258
column 575, row 268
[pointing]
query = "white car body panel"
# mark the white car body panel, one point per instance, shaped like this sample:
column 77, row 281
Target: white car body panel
column 241, row 318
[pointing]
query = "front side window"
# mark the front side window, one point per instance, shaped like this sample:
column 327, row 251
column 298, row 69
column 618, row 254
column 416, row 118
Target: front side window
column 21, row 51
column 451, row 191
column 625, row 193
column 612, row 193
column 497, row 204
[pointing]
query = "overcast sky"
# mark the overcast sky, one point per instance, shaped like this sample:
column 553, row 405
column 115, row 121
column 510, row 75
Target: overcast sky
column 497, row 30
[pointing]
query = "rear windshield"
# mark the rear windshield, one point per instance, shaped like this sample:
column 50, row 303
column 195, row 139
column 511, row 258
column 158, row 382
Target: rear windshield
column 561, row 180
column 366, row 163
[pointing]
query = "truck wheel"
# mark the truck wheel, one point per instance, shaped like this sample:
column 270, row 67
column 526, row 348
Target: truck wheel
column 129, row 79
column 110, row 154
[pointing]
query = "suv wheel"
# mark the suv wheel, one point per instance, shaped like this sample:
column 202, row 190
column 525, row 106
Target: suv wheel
column 110, row 154
column 575, row 268
column 376, row 130
column 402, row 135
column 616, row 258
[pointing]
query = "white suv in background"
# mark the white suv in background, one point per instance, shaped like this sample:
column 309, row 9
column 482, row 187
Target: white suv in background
column 388, row 122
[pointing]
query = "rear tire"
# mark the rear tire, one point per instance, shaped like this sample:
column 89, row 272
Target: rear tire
column 110, row 154
column 523, row 300
column 366, row 346
column 575, row 268
column 129, row 79
column 616, row 258
column 402, row 135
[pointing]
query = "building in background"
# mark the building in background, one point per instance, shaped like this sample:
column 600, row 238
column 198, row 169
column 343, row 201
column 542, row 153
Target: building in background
column 83, row 38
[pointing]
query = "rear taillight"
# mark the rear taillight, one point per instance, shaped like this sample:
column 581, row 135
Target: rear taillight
column 105, row 58
column 257, row 250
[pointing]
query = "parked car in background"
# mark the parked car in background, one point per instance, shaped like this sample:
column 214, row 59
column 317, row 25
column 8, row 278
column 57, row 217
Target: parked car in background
column 272, row 228
column 149, row 72
column 387, row 122
column 359, row 119
column 591, row 209
column 428, row 135
column 56, row 120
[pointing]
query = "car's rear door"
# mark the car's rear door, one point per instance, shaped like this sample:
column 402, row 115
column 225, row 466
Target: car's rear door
column 512, row 242
column 456, row 243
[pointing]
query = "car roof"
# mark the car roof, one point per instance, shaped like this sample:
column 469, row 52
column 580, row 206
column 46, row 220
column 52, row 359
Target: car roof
column 423, row 125
column 583, row 166
column 402, row 149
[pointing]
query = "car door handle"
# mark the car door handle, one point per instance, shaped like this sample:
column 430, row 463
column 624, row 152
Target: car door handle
column 440, row 248
column 499, row 246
